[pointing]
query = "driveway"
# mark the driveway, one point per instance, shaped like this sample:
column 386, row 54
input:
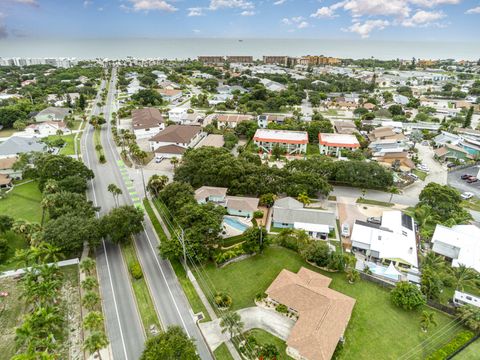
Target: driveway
column 253, row 318
column 461, row 185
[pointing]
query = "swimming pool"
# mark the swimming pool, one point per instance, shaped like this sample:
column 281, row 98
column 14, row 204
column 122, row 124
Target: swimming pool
column 236, row 224
column 381, row 271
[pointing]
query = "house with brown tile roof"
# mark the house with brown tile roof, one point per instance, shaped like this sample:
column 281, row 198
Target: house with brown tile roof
column 170, row 94
column 147, row 122
column 6, row 168
column 183, row 136
column 385, row 133
column 389, row 159
column 323, row 313
column 6, row 182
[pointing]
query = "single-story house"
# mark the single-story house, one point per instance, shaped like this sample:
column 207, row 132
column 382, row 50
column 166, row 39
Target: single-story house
column 460, row 244
column 333, row 144
column 241, row 206
column 385, row 133
column 390, row 159
column 290, row 213
column 170, row 94
column 19, row 145
column 450, row 152
column 213, row 194
column 52, row 114
column 394, row 240
column 446, row 138
column 219, row 98
column 147, row 122
column 6, row 168
column 323, row 313
column 177, row 114
column 294, row 142
column 46, row 128
column 181, row 136
column 169, row 152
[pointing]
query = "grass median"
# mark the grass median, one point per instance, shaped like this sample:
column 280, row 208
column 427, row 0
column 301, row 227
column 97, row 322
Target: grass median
column 97, row 143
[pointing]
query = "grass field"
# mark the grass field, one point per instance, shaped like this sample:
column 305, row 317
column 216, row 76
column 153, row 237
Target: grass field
column 472, row 204
column 374, row 202
column 264, row 338
column 421, row 174
column 23, row 202
column 142, row 294
column 471, row 352
column 377, row 329
column 15, row 242
column 222, row 353
column 69, row 148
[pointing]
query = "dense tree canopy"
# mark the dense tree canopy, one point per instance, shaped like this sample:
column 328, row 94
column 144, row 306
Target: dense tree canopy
column 173, row 344
column 122, row 222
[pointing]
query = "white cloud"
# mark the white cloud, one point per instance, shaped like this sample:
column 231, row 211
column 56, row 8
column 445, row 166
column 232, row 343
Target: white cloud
column 87, row 3
column 475, row 10
column 196, row 31
column 147, row 5
column 324, row 12
column 423, row 18
column 364, row 29
column 230, row 4
column 297, row 21
column 247, row 13
column 433, row 3
column 303, row 25
column 26, row 2
column 195, row 11
column 279, row 2
column 396, row 8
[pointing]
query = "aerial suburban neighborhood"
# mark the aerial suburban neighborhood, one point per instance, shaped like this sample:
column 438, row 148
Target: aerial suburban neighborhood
column 239, row 205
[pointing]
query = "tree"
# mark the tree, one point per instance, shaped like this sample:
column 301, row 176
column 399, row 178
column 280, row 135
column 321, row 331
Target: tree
column 64, row 202
column 115, row 191
column 231, row 322
column 93, row 321
column 407, row 296
column 416, row 137
column 396, row 110
column 462, row 276
column 431, row 284
column 95, row 342
column 6, row 223
column 255, row 240
column 427, row 320
column 82, row 102
column 172, row 344
column 470, row 316
column 277, row 151
column 87, row 265
column 304, row 199
column 268, row 352
column 174, row 161
column 352, row 276
column 317, row 252
column 147, row 97
column 468, row 118
column 156, row 183
column 267, row 200
column 122, row 222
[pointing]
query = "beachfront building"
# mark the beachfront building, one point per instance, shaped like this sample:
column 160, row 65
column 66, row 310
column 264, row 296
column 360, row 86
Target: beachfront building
column 294, row 142
column 333, row 144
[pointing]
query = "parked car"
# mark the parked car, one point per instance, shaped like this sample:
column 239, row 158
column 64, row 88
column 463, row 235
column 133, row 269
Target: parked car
column 450, row 165
column 158, row 159
column 345, row 230
column 466, row 195
column 413, row 176
column 374, row 220
column 472, row 179
column 465, row 176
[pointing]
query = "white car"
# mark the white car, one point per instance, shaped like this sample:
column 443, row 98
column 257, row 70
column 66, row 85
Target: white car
column 345, row 230
column 466, row 195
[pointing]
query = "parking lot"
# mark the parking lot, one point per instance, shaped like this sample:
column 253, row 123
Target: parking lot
column 462, row 185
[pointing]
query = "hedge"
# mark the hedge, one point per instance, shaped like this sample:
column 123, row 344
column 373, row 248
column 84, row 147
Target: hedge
column 456, row 343
column 136, row 270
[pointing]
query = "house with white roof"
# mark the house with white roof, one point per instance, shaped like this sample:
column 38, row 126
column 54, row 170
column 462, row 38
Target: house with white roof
column 393, row 241
column 294, row 142
column 460, row 244
column 333, row 144
column 46, row 128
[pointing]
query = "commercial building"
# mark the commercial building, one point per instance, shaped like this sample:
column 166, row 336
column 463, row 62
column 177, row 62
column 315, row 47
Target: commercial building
column 293, row 142
column 211, row 59
column 333, row 144
column 276, row 60
column 240, row 59
column 147, row 122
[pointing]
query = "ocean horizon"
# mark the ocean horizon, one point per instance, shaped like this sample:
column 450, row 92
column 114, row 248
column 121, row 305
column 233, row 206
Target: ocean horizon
column 185, row 48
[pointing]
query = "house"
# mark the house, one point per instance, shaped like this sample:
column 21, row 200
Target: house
column 461, row 298
column 460, row 244
column 214, row 140
column 294, row 142
column 52, row 114
column 134, row 86
column 213, row 194
column 230, row 121
column 6, row 182
column 393, row 241
column 177, row 114
column 369, row 106
column 219, row 98
column 382, row 147
column 450, row 152
column 323, row 313
column 147, row 122
column 46, row 128
column 170, row 95
column 6, row 168
column 272, row 85
column 291, row 213
column 400, row 99
column 175, row 139
column 446, row 138
column 63, row 99
column 19, row 145
column 241, row 206
column 264, row 120
column 393, row 159
column 385, row 133
column 345, row 127
column 333, row 144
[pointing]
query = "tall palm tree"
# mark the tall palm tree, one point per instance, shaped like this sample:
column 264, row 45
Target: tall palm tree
column 427, row 319
column 156, row 183
column 462, row 275
column 433, row 261
column 232, row 323
column 115, row 191
column 174, row 161
column 423, row 215
column 393, row 191
column 95, row 342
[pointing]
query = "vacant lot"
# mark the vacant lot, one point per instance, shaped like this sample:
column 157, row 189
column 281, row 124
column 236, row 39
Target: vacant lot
column 23, row 202
column 377, row 329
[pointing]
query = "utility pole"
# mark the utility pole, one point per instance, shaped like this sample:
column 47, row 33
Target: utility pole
column 261, row 238
column 182, row 240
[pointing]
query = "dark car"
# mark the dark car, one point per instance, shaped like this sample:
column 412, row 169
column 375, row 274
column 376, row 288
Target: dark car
column 374, row 220
column 450, row 165
column 465, row 177
column 472, row 180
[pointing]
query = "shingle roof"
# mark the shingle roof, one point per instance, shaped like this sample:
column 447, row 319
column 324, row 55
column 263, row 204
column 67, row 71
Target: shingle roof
column 323, row 313
column 170, row 149
column 146, row 118
column 177, row 134
column 57, row 113
column 289, row 211
column 207, row 191
column 7, row 163
column 5, row 180
column 17, row 145
column 242, row 203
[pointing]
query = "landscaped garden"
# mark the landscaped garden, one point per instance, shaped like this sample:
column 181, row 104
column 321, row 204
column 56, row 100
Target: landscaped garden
column 377, row 326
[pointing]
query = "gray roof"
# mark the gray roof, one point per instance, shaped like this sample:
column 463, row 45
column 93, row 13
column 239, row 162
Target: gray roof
column 289, row 211
column 56, row 113
column 17, row 145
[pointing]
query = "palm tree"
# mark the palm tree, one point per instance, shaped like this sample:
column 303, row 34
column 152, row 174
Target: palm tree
column 95, row 342
column 89, row 283
column 231, row 323
column 90, row 300
column 462, row 276
column 93, row 321
column 427, row 319
column 87, row 265
column 352, row 276
column 174, row 161
column 156, row 183
column 423, row 215
column 115, row 191
column 433, row 261
column 304, row 199
column 470, row 316
column 393, row 191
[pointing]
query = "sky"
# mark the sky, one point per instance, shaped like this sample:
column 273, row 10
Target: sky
column 429, row 20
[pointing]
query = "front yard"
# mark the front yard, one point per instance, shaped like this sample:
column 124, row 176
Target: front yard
column 377, row 329
column 23, row 202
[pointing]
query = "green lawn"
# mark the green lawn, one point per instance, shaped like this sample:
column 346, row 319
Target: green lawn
column 374, row 202
column 264, row 338
column 473, row 204
column 376, row 327
column 222, row 353
column 471, row 352
column 15, row 242
column 23, row 202
column 7, row 132
column 312, row 149
column 421, row 174
column 69, row 148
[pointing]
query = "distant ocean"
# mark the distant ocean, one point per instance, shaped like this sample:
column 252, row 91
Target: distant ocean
column 183, row 48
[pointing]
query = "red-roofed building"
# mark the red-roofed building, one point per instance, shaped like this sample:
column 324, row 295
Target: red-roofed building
column 294, row 142
column 333, row 144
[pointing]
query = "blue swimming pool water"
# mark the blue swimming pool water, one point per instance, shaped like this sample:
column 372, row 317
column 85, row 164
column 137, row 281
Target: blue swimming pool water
column 235, row 223
column 380, row 270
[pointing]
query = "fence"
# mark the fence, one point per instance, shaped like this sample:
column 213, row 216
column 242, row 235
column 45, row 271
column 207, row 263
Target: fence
column 22, row 271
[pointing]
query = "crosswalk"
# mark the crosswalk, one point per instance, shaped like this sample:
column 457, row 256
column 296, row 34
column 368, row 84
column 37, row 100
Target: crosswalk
column 129, row 184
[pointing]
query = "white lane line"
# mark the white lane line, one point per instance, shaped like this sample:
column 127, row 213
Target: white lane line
column 105, row 251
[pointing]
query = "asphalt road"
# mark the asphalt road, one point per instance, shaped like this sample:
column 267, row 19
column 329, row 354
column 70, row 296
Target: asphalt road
column 170, row 302
column 124, row 328
column 454, row 179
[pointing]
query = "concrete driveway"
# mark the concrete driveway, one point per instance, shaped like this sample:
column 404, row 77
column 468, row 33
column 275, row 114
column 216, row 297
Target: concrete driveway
column 253, row 318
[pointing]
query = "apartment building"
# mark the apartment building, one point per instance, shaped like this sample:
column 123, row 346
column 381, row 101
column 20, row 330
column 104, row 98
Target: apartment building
column 294, row 142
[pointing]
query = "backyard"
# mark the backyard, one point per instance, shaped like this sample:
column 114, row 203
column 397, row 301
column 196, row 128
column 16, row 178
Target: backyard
column 15, row 242
column 23, row 202
column 375, row 324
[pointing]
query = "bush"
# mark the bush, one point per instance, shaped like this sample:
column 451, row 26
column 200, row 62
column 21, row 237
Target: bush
column 223, row 300
column 260, row 296
column 456, row 343
column 282, row 308
column 336, row 261
column 3, row 249
column 98, row 147
column 407, row 296
column 258, row 214
column 102, row 159
column 135, row 270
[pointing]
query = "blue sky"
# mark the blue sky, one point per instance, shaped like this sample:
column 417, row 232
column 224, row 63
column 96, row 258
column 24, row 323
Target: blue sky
column 452, row 20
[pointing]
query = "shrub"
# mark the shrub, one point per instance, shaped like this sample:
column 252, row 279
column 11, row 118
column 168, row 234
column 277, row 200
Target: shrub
column 260, row 296
column 282, row 308
column 3, row 249
column 456, row 343
column 407, row 296
column 258, row 214
column 98, row 147
column 223, row 300
column 336, row 261
column 135, row 270
column 102, row 159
